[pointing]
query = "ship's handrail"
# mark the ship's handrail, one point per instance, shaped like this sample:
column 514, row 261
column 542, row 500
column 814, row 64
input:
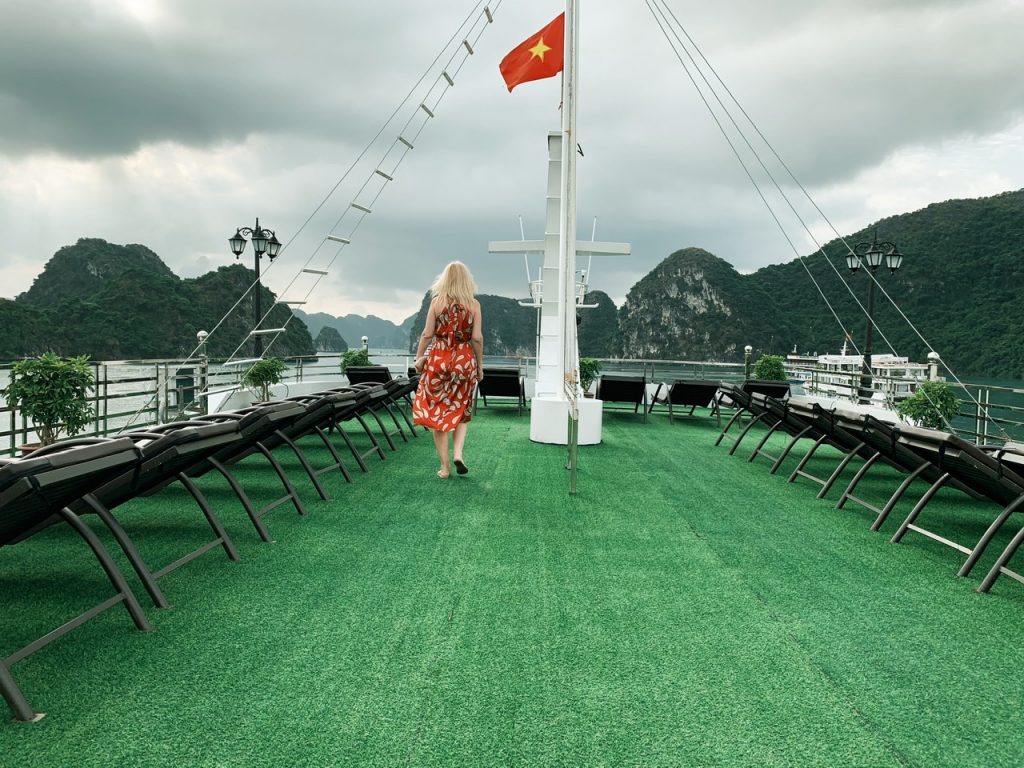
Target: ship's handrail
column 142, row 393
column 987, row 411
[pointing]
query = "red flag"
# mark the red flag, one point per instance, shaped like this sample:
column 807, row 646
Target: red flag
column 539, row 56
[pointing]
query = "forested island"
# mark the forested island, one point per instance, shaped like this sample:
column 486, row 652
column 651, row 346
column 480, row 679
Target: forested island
column 959, row 284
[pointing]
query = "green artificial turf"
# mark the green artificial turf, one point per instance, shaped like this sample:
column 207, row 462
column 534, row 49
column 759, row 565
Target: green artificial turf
column 684, row 608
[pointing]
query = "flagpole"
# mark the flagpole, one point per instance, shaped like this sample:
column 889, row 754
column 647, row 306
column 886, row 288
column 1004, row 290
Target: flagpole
column 567, row 240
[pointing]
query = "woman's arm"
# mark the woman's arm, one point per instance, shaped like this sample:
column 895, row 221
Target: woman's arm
column 477, row 340
column 425, row 338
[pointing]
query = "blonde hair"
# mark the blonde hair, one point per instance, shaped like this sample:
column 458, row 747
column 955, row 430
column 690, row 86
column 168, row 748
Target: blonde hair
column 455, row 285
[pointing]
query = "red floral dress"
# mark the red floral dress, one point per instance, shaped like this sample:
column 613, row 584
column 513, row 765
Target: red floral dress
column 445, row 391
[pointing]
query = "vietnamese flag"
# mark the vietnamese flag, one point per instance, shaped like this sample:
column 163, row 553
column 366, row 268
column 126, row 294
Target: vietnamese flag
column 539, row 56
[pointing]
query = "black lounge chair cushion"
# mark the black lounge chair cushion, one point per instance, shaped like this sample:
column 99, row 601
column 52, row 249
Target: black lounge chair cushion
column 502, row 382
column 33, row 488
column 622, row 389
column 361, row 374
column 776, row 389
column 692, row 392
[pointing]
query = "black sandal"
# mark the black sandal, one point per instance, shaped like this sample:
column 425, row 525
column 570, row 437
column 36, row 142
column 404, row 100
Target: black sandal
column 461, row 467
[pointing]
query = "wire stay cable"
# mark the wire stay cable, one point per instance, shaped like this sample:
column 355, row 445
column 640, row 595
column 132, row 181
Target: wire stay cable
column 470, row 30
column 671, row 27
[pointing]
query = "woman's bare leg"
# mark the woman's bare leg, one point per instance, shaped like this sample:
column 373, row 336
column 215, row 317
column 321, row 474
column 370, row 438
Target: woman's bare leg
column 459, row 440
column 441, row 446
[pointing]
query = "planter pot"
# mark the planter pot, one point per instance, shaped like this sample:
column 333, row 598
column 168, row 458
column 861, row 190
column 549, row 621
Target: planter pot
column 29, row 448
column 589, row 395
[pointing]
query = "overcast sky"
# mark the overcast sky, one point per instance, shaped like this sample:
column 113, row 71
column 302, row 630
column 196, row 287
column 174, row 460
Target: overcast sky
column 172, row 122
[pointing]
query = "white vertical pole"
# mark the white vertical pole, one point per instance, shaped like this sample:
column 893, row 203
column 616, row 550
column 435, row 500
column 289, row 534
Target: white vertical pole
column 567, row 240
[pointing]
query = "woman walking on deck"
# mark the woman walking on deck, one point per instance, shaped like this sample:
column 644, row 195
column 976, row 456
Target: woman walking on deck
column 449, row 359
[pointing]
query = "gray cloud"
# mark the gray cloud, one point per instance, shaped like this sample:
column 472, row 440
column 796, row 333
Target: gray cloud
column 172, row 122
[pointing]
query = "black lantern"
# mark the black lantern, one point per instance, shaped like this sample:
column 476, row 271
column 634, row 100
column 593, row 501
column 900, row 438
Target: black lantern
column 872, row 255
column 264, row 241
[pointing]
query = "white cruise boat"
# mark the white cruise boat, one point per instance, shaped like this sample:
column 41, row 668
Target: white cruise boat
column 838, row 376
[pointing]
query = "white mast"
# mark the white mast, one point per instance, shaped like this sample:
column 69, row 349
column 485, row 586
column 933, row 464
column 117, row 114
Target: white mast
column 567, row 233
column 557, row 386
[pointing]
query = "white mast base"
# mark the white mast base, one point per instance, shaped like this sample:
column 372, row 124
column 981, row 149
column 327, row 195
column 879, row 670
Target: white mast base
column 549, row 421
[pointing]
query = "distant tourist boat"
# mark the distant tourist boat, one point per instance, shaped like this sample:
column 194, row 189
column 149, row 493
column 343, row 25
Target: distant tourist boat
column 838, row 377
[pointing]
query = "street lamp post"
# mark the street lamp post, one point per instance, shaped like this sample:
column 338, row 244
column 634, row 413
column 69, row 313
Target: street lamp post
column 264, row 241
column 872, row 255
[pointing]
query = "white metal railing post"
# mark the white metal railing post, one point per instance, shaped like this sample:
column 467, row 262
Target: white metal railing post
column 977, row 414
column 96, row 382
column 106, row 397
column 984, row 422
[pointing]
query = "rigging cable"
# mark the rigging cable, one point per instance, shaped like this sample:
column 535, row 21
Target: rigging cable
column 664, row 18
column 833, row 228
column 742, row 163
column 486, row 14
column 484, row 18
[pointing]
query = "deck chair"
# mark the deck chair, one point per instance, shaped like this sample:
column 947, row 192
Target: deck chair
column 854, row 435
column 1000, row 566
column 365, row 395
column 884, row 438
column 312, row 414
column 383, row 398
column 503, row 382
column 695, row 393
column 831, row 432
column 777, row 389
column 734, row 396
column 782, row 419
column 256, row 423
column 738, row 397
column 166, row 452
column 996, row 474
column 619, row 388
column 398, row 389
column 324, row 412
column 401, row 391
column 35, row 488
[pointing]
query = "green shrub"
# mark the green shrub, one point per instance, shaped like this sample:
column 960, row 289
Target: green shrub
column 355, row 357
column 933, row 405
column 263, row 375
column 54, row 393
column 590, row 369
column 771, row 368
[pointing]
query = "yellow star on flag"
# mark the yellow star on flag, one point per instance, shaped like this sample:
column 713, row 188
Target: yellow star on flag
column 539, row 49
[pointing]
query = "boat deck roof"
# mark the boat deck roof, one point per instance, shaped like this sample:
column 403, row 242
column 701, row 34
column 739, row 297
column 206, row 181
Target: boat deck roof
column 684, row 608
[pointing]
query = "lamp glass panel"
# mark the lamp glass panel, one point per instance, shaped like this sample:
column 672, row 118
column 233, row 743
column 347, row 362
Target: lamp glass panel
column 273, row 246
column 259, row 242
column 237, row 243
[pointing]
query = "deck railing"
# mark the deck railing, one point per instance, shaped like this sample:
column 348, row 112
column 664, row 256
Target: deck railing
column 139, row 393
column 134, row 394
column 989, row 413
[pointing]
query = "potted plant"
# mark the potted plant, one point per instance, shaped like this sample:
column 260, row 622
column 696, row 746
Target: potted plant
column 54, row 393
column 770, row 368
column 590, row 369
column 355, row 357
column 933, row 405
column 263, row 375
